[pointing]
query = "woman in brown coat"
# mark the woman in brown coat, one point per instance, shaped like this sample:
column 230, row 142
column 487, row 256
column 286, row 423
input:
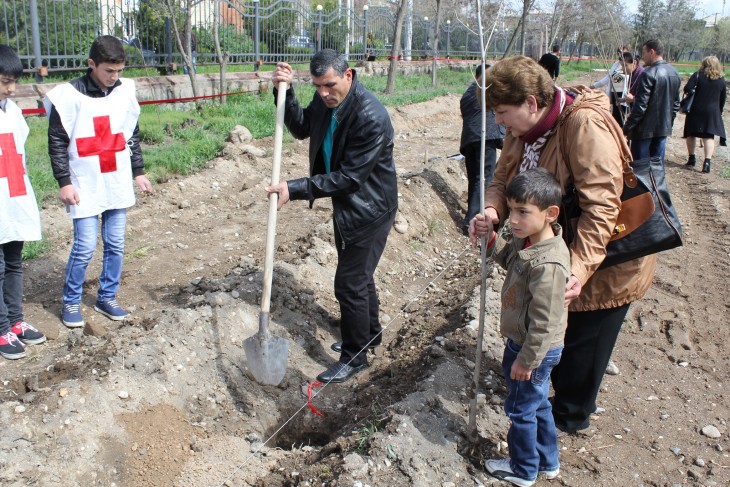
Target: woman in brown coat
column 566, row 132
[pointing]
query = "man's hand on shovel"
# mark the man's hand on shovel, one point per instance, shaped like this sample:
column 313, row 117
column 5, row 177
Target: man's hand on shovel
column 282, row 189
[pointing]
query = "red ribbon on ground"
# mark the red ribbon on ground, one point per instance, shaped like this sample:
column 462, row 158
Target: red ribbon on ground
column 42, row 111
column 309, row 398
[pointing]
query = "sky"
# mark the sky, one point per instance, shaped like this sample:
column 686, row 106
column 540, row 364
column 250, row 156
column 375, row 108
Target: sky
column 705, row 7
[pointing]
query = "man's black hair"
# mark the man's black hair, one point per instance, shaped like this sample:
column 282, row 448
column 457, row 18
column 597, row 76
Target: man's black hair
column 107, row 49
column 10, row 64
column 535, row 186
column 555, row 48
column 655, row 44
column 326, row 59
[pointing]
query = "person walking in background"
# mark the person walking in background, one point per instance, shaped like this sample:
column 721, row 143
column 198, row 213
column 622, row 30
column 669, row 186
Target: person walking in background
column 571, row 133
column 634, row 70
column 616, row 84
column 655, row 105
column 533, row 320
column 704, row 120
column 19, row 218
column 471, row 146
column 351, row 161
column 551, row 61
column 93, row 142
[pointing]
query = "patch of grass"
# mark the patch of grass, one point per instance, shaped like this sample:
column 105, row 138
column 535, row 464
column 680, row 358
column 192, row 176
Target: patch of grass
column 364, row 434
column 416, row 244
column 142, row 251
column 434, row 226
column 32, row 250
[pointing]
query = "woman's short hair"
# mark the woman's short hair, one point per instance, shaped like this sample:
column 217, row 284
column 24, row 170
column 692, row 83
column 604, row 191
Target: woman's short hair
column 512, row 80
column 712, row 68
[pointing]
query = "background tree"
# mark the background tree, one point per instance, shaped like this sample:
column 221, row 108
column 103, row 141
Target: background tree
column 396, row 49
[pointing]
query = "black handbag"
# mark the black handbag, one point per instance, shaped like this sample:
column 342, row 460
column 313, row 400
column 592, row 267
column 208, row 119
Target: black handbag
column 647, row 222
column 685, row 104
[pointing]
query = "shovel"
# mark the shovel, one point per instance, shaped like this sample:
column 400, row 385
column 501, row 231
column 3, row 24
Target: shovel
column 266, row 354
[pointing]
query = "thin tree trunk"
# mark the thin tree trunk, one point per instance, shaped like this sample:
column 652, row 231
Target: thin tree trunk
column 434, row 63
column 186, row 52
column 222, row 60
column 396, row 46
column 512, row 39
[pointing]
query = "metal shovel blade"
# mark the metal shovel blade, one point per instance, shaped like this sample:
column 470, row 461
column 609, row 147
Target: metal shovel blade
column 266, row 355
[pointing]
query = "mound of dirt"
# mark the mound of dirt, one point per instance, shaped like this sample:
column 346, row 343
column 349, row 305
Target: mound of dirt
column 165, row 398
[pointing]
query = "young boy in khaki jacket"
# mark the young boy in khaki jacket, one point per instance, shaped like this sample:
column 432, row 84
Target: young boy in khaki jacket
column 533, row 320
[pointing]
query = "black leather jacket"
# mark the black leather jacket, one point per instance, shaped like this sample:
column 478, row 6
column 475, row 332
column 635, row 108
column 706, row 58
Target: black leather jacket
column 58, row 139
column 656, row 103
column 362, row 182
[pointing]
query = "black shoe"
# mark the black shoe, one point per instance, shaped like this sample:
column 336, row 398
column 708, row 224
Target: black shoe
column 340, row 372
column 337, row 346
column 706, row 165
column 691, row 161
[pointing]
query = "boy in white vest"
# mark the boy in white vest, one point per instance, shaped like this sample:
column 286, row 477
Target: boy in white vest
column 93, row 141
column 19, row 218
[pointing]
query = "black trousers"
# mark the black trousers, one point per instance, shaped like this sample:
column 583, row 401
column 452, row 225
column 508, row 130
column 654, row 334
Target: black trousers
column 471, row 160
column 589, row 341
column 356, row 293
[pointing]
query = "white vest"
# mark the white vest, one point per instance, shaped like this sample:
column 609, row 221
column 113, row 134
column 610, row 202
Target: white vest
column 19, row 218
column 99, row 158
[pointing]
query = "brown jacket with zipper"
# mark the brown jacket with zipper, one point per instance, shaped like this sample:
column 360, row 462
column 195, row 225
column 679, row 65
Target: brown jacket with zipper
column 591, row 160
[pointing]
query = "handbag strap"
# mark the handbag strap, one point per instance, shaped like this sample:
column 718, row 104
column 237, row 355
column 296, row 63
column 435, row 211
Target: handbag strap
column 629, row 177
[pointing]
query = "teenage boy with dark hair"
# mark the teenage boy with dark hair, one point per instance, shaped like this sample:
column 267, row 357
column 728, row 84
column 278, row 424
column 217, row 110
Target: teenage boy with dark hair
column 533, row 319
column 19, row 218
column 551, row 61
column 93, row 142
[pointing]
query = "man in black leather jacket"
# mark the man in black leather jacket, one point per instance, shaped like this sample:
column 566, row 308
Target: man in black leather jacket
column 350, row 161
column 655, row 105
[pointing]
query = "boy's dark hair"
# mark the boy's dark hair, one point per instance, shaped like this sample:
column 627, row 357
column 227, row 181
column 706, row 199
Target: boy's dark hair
column 655, row 44
column 535, row 186
column 555, row 48
column 107, row 49
column 10, row 64
column 478, row 71
column 326, row 59
column 628, row 57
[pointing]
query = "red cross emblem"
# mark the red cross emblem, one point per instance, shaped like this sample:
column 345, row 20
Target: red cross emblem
column 104, row 144
column 11, row 166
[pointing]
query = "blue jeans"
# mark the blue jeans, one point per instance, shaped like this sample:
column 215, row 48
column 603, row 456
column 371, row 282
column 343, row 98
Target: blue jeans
column 113, row 223
column 643, row 148
column 532, row 439
column 11, row 285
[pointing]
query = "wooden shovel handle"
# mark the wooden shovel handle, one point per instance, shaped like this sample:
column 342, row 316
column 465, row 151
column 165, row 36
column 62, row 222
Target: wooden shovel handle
column 273, row 202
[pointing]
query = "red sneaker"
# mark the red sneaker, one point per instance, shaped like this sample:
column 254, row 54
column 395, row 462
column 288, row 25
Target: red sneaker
column 27, row 333
column 10, row 346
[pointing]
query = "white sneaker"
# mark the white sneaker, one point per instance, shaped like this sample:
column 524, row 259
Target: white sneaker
column 550, row 474
column 612, row 368
column 501, row 469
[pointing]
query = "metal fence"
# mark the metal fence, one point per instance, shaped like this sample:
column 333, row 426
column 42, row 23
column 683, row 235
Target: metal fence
column 57, row 34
